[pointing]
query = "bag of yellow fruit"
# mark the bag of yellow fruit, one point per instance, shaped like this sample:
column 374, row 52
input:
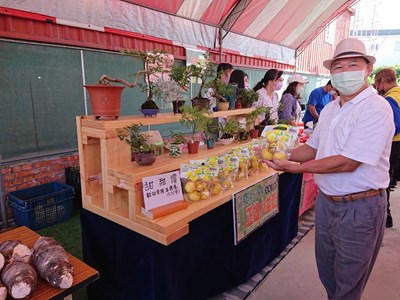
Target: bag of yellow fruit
column 196, row 182
column 243, row 154
column 215, row 183
column 228, row 166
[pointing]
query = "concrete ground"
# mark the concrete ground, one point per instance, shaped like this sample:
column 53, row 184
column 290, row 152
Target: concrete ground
column 296, row 277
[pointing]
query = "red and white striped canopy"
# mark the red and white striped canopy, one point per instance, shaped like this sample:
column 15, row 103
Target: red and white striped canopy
column 289, row 23
column 275, row 29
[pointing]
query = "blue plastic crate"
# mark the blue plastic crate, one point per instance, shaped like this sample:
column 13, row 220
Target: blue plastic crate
column 42, row 205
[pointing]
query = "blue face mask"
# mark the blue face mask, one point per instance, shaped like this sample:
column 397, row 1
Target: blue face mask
column 348, row 83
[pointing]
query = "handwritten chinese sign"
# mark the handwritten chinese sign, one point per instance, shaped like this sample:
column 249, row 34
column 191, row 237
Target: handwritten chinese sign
column 161, row 189
column 254, row 206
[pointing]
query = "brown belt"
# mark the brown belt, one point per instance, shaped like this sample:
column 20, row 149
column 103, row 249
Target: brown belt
column 355, row 196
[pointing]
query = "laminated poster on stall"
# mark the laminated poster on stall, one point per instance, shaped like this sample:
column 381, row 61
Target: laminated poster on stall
column 255, row 205
column 162, row 195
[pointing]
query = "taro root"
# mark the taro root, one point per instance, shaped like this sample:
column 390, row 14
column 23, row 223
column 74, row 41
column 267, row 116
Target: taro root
column 52, row 262
column 20, row 278
column 14, row 250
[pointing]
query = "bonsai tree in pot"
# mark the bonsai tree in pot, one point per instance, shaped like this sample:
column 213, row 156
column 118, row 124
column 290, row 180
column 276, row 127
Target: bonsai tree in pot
column 142, row 153
column 202, row 70
column 247, row 97
column 228, row 130
column 156, row 63
column 251, row 119
column 221, row 91
column 196, row 120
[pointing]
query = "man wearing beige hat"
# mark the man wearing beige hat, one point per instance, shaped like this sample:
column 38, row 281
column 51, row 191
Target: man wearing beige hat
column 350, row 160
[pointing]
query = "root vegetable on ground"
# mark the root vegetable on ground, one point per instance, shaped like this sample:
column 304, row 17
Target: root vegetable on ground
column 20, row 278
column 52, row 262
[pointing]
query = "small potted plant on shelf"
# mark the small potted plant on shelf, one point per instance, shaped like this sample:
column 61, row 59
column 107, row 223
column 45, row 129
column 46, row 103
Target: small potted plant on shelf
column 202, row 70
column 169, row 91
column 251, row 119
column 196, row 120
column 142, row 153
column 222, row 92
column 247, row 97
column 156, row 63
column 228, row 130
column 211, row 133
column 177, row 144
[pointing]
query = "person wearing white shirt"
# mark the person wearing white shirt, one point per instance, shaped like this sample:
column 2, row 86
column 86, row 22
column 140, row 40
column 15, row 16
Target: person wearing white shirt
column 350, row 160
column 266, row 89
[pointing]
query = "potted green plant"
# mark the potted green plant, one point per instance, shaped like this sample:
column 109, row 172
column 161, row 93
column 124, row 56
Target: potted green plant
column 170, row 92
column 202, row 70
column 222, row 92
column 155, row 62
column 211, row 133
column 247, row 97
column 196, row 120
column 177, row 143
column 228, row 130
column 251, row 118
column 142, row 153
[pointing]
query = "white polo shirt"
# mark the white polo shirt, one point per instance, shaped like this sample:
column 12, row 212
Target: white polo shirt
column 362, row 129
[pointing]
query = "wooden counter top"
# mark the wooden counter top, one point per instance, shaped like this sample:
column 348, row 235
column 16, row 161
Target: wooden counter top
column 83, row 274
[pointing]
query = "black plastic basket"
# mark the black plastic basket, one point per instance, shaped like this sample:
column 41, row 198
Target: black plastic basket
column 42, row 205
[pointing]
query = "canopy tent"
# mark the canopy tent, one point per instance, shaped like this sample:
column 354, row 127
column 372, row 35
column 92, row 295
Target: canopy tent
column 275, row 29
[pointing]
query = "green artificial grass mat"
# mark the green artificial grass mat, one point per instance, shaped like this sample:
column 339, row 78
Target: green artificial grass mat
column 68, row 234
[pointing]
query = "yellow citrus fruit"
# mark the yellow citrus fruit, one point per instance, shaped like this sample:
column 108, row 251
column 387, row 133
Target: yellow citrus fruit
column 280, row 155
column 266, row 154
column 190, row 187
column 194, row 196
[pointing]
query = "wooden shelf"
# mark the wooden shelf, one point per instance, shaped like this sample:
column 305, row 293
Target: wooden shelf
column 111, row 183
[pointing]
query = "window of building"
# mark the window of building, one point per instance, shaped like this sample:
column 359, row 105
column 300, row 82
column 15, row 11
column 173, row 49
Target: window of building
column 396, row 46
column 330, row 32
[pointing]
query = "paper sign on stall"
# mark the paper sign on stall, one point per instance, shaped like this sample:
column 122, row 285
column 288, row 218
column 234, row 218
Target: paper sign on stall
column 162, row 195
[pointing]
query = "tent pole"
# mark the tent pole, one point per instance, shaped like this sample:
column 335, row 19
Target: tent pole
column 220, row 44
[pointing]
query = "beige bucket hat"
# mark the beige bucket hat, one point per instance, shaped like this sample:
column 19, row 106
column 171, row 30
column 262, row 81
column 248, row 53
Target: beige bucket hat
column 297, row 78
column 349, row 47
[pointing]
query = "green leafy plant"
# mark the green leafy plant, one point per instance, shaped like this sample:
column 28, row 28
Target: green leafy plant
column 220, row 89
column 195, row 119
column 212, row 130
column 202, row 70
column 156, row 61
column 229, row 128
column 177, row 138
column 247, row 97
column 252, row 116
column 133, row 137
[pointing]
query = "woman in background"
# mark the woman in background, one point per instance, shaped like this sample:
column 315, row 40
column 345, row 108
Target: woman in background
column 240, row 78
column 266, row 88
column 291, row 107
